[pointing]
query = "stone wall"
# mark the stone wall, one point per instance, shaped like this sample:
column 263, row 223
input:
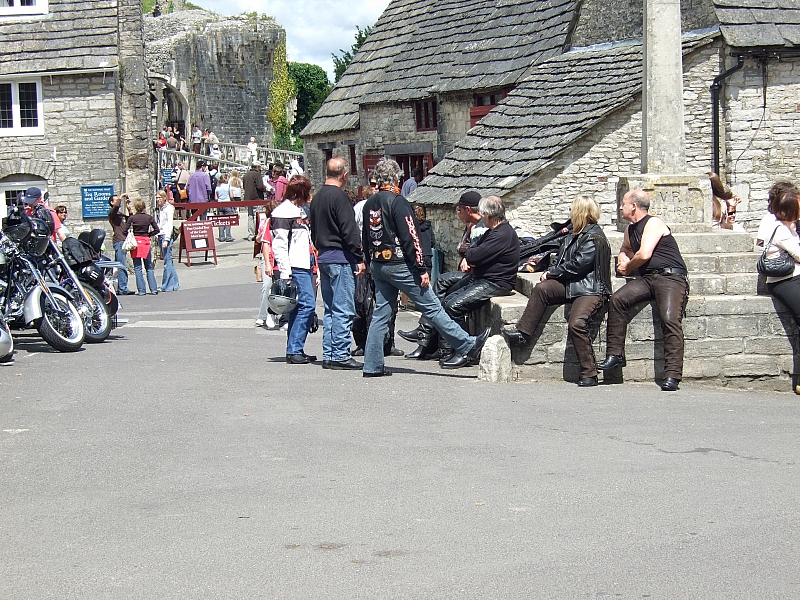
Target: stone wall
column 761, row 145
column 603, row 21
column 221, row 66
column 453, row 121
column 80, row 146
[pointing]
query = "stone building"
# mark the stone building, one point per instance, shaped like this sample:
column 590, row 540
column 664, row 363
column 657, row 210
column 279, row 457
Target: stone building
column 212, row 70
column 73, row 99
column 536, row 100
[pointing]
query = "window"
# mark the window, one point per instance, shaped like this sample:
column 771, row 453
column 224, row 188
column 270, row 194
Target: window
column 353, row 161
column 21, row 108
column 426, row 114
column 12, row 8
column 484, row 102
column 328, row 154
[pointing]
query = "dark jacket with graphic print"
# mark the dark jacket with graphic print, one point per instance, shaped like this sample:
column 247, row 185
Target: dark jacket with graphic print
column 390, row 232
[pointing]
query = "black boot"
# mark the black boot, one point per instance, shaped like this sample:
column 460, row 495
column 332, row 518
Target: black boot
column 418, row 354
column 410, row 336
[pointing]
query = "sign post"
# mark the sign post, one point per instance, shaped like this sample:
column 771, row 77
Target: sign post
column 197, row 236
column 94, row 200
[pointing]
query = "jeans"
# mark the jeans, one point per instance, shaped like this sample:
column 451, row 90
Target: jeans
column 122, row 273
column 169, row 280
column 671, row 292
column 391, row 278
column 225, row 231
column 300, row 317
column 151, row 274
column 338, row 283
column 550, row 292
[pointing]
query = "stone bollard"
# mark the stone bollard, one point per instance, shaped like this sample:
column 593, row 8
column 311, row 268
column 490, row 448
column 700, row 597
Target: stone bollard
column 495, row 362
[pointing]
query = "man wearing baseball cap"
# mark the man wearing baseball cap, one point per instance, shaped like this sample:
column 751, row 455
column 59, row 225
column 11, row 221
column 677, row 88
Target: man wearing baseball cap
column 34, row 204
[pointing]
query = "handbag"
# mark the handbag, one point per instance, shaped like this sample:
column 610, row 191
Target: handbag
column 781, row 266
column 183, row 194
column 130, row 241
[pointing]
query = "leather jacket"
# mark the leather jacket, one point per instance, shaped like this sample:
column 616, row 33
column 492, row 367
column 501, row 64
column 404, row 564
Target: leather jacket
column 583, row 263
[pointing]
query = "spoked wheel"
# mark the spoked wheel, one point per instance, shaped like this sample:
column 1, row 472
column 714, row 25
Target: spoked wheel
column 61, row 325
column 97, row 323
column 6, row 342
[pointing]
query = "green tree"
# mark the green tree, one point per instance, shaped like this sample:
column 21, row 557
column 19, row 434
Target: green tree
column 340, row 63
column 313, row 86
column 281, row 90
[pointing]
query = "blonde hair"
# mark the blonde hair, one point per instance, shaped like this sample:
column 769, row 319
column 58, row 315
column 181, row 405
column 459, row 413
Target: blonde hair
column 234, row 180
column 161, row 194
column 139, row 206
column 584, row 210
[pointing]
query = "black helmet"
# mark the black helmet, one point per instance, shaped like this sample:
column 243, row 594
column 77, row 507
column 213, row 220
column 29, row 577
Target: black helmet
column 282, row 296
column 92, row 275
column 96, row 239
column 40, row 237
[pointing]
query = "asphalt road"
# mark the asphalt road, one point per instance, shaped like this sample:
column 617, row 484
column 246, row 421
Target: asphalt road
column 184, row 459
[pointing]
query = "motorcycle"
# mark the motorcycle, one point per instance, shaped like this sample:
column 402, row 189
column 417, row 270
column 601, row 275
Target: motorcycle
column 107, row 284
column 26, row 299
column 6, row 342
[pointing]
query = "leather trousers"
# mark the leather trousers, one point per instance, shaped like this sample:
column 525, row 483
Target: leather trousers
column 583, row 310
column 670, row 292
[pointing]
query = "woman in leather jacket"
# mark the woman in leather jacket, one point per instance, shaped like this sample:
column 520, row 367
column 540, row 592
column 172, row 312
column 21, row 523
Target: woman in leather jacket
column 581, row 274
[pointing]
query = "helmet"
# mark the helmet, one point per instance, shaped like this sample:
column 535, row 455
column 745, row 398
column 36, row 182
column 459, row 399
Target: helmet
column 92, row 275
column 40, row 237
column 93, row 238
column 282, row 296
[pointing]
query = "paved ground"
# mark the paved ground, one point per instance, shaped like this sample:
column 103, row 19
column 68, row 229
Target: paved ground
column 184, row 459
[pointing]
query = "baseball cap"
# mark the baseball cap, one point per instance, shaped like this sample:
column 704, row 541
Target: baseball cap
column 255, row 163
column 470, row 199
column 32, row 194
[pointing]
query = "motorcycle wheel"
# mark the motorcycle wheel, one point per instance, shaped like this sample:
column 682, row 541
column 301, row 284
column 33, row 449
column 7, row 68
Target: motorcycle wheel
column 98, row 323
column 5, row 328
column 61, row 325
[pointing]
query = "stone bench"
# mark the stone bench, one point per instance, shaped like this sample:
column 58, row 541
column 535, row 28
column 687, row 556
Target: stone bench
column 743, row 341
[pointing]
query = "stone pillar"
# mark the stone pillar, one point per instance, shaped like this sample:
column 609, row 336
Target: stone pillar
column 663, row 145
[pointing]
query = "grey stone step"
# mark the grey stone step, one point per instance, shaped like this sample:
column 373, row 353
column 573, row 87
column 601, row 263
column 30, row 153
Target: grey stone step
column 733, row 340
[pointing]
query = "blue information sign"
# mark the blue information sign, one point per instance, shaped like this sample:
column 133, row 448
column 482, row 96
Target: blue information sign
column 166, row 176
column 95, row 200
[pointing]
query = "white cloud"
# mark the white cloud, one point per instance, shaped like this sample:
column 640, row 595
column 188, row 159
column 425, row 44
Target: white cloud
column 314, row 28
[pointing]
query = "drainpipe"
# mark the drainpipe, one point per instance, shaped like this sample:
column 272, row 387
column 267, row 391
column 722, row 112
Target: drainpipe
column 715, row 88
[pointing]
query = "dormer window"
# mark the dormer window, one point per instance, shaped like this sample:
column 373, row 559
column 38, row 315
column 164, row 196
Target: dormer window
column 484, row 102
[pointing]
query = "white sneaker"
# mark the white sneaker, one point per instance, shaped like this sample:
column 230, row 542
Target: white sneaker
column 259, row 322
column 269, row 322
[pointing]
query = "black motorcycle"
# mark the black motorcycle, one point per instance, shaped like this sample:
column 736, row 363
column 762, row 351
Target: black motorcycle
column 26, row 298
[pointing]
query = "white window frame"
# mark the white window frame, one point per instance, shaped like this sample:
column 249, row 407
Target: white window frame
column 40, row 8
column 17, row 130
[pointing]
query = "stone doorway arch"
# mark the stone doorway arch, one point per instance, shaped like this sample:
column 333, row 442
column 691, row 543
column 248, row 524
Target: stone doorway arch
column 171, row 106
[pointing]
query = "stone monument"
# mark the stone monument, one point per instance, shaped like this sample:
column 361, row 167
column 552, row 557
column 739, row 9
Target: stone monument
column 682, row 200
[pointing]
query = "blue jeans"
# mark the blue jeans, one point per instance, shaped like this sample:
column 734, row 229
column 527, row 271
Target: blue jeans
column 300, row 317
column 338, row 285
column 122, row 274
column 391, row 278
column 151, row 274
column 169, row 281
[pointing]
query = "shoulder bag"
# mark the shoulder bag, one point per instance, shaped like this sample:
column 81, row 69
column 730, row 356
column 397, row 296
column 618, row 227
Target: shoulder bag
column 781, row 266
column 130, row 241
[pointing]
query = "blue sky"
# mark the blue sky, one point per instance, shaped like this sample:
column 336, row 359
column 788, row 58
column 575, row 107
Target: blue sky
column 314, row 28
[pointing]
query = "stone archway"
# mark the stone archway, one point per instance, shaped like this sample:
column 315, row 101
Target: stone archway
column 171, row 106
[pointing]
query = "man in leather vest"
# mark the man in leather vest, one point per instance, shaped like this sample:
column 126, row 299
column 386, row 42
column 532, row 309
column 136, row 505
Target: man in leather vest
column 650, row 250
column 392, row 247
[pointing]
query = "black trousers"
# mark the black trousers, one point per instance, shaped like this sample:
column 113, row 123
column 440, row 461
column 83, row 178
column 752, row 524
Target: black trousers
column 671, row 293
column 551, row 292
column 788, row 292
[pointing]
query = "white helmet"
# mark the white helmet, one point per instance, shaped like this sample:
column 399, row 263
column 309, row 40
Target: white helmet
column 282, row 296
column 6, row 342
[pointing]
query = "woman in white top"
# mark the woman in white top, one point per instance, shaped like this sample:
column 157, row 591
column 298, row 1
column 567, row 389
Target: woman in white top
column 291, row 243
column 768, row 221
column 166, row 213
column 784, row 237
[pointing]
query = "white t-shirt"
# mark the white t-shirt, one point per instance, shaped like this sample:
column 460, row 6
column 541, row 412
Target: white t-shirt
column 766, row 227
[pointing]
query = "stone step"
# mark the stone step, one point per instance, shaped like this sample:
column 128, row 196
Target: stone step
column 735, row 340
column 700, row 243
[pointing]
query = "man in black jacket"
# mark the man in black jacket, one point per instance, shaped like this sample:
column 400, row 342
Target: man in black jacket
column 338, row 242
column 254, row 189
column 488, row 269
column 393, row 249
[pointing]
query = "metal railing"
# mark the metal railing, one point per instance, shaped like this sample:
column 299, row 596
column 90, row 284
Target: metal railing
column 232, row 156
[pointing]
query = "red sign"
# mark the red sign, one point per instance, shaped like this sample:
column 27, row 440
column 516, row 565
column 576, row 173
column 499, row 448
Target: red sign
column 197, row 236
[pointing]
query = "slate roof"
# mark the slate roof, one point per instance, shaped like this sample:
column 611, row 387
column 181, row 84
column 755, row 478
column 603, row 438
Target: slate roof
column 561, row 101
column 420, row 48
column 759, row 23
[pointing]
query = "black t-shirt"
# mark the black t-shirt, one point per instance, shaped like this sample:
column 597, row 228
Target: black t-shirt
column 496, row 256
